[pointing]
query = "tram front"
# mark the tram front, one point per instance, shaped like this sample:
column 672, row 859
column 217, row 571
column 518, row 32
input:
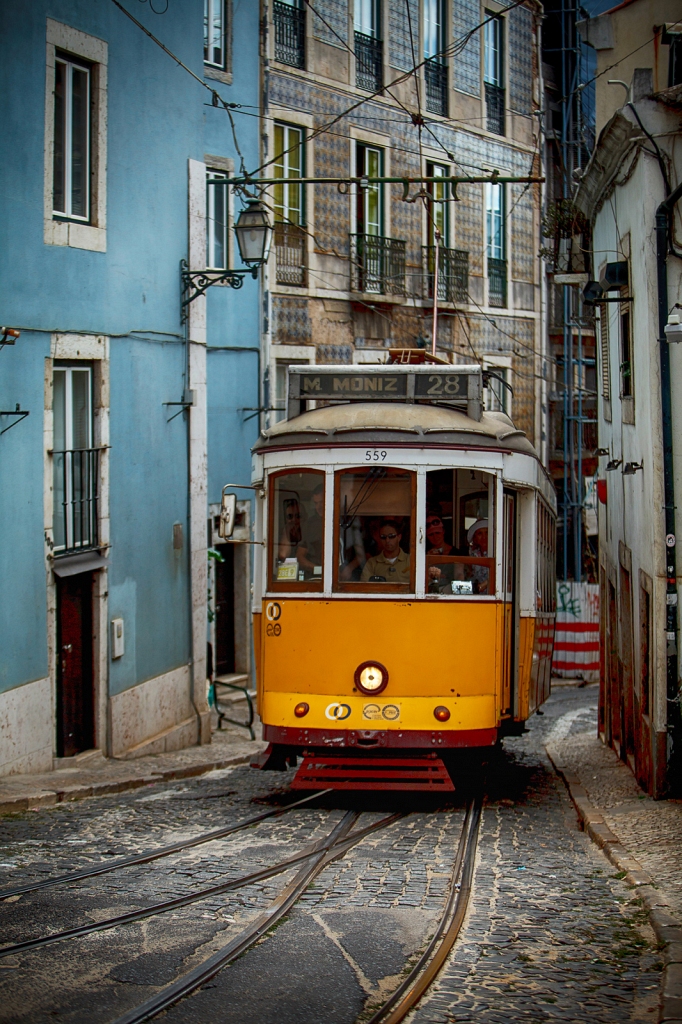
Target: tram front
column 398, row 600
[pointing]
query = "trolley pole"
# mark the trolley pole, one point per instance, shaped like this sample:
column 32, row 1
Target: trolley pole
column 436, row 236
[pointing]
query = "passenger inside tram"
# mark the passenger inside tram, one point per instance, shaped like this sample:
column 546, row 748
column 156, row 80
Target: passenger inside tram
column 375, row 528
column 458, row 560
column 392, row 564
column 297, row 527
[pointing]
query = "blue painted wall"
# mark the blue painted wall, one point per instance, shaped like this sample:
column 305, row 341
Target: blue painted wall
column 233, row 316
column 158, row 118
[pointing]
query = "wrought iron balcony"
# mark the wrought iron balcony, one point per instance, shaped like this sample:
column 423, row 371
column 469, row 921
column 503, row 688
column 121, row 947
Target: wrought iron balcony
column 453, row 273
column 377, row 265
column 494, row 107
column 75, row 495
column 497, row 282
column 289, row 33
column 291, row 254
column 436, row 77
column 369, row 54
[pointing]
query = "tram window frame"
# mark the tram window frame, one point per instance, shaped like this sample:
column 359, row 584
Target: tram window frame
column 489, row 562
column 292, row 586
column 358, row 586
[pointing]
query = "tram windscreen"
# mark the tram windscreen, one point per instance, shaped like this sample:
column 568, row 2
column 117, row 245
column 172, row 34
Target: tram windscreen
column 460, row 534
column 297, row 529
column 375, row 522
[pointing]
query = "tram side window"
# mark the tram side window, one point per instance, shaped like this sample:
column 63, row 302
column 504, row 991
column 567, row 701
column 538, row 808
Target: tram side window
column 297, row 530
column 375, row 525
column 460, row 533
column 546, row 587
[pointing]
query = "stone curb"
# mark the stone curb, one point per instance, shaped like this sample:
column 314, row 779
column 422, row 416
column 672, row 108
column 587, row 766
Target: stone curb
column 667, row 929
column 49, row 797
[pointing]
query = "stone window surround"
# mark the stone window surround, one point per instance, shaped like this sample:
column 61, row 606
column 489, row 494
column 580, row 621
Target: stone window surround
column 92, row 349
column 60, row 231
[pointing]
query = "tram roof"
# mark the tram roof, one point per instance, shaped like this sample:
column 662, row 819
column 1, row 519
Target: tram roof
column 400, row 422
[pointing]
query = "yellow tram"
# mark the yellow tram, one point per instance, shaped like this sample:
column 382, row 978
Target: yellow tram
column 404, row 589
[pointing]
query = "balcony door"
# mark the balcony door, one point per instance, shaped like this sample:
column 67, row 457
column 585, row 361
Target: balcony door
column 75, row 461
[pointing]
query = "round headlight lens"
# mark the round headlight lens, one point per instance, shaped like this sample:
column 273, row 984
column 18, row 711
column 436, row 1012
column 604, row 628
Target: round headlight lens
column 441, row 713
column 302, row 709
column 371, row 677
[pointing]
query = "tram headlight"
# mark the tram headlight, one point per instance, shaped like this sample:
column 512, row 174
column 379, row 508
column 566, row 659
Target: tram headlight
column 302, row 709
column 371, row 677
column 441, row 713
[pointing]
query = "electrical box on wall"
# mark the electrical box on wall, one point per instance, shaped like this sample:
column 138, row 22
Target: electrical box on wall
column 117, row 638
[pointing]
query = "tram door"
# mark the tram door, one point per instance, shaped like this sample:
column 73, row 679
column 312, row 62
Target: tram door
column 510, row 602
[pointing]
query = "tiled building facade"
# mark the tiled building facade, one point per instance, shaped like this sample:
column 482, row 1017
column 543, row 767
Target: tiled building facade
column 351, row 275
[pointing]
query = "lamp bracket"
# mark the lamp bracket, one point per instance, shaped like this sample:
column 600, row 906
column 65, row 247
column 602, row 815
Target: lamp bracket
column 197, row 282
column 21, row 414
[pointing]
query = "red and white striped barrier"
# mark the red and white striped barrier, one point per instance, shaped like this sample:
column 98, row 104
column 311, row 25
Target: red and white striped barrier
column 576, row 643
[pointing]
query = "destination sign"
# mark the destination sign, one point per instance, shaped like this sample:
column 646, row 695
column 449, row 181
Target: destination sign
column 345, row 386
column 441, row 385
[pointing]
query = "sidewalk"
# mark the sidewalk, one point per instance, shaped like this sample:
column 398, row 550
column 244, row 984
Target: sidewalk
column 94, row 775
column 640, row 836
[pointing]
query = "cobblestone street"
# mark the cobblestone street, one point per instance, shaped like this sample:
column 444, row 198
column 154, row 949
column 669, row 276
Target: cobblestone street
column 550, row 934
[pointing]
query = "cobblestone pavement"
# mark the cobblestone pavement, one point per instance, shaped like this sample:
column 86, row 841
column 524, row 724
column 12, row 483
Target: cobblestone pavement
column 551, row 934
column 651, row 829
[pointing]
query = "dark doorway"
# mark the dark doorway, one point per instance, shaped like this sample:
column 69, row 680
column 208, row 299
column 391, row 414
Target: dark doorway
column 224, row 612
column 75, row 698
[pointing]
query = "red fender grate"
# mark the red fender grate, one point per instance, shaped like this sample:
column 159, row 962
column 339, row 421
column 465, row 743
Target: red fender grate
column 400, row 773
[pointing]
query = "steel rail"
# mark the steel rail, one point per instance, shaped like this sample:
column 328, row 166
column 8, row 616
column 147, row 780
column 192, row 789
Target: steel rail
column 192, row 897
column 164, row 851
column 396, row 1008
column 337, row 843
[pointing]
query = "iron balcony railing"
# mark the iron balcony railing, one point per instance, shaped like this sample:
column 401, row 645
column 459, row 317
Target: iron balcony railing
column 497, row 282
column 436, row 77
column 76, row 494
column 494, row 108
column 369, row 58
column 289, row 34
column 377, row 265
column 291, row 254
column 453, row 273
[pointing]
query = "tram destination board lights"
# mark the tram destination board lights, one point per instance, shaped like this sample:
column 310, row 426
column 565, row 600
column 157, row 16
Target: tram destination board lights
column 457, row 386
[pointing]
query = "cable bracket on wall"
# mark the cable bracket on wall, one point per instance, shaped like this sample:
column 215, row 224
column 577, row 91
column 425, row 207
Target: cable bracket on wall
column 20, row 413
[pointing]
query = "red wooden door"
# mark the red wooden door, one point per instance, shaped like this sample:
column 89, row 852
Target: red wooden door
column 75, row 700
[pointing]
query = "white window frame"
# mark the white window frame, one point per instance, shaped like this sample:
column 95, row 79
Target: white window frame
column 361, row 228
column 70, row 65
column 68, row 372
column 211, row 7
column 495, row 202
column 438, row 170
column 434, row 29
column 502, row 366
column 213, row 174
column 493, row 41
column 367, row 18
column 58, row 229
column 281, row 357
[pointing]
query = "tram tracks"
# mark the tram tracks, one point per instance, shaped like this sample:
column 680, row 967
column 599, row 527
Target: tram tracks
column 310, row 861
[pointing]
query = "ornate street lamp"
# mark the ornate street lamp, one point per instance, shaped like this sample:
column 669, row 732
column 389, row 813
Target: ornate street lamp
column 254, row 234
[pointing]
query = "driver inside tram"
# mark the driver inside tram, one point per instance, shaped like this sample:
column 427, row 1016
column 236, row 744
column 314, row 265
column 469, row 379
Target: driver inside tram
column 392, row 564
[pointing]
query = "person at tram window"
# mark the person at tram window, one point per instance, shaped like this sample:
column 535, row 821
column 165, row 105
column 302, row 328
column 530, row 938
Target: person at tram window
column 310, row 549
column 392, row 565
column 290, row 537
column 477, row 539
column 435, row 534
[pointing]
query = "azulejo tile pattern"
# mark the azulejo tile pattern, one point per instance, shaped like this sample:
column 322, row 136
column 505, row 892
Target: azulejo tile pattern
column 521, row 61
column 291, row 321
column 466, row 15
column 335, row 13
column 400, row 46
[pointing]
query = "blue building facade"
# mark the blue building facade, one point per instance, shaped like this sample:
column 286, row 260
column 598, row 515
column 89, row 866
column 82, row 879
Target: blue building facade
column 135, row 420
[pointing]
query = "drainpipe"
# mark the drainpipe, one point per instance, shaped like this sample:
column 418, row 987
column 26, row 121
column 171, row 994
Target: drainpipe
column 664, row 215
